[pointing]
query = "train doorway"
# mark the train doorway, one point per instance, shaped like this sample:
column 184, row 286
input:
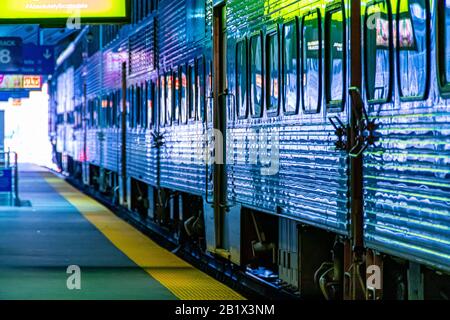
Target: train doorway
column 220, row 94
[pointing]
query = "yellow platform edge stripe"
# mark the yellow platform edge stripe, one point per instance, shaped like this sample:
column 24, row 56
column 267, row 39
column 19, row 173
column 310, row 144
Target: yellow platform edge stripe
column 182, row 279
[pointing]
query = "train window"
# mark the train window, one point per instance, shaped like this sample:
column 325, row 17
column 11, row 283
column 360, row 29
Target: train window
column 273, row 73
column 105, row 105
column 104, row 112
column 192, row 92
column 97, row 105
column 200, row 88
column 150, row 104
column 447, row 39
column 335, row 57
column 138, row 107
column 118, row 114
column 413, row 54
column 113, row 109
column 241, row 79
column 183, row 94
column 176, row 97
column 378, row 51
column 290, row 67
column 134, row 104
column 169, row 98
column 443, row 46
column 98, row 110
column 89, row 114
column 162, row 100
column 108, row 110
column 93, row 114
column 208, row 91
column 131, row 107
column 256, row 76
column 109, row 106
column 144, row 108
column 311, row 62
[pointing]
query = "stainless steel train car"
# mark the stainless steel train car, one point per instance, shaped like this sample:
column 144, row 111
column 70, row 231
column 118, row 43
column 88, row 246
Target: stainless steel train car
column 304, row 142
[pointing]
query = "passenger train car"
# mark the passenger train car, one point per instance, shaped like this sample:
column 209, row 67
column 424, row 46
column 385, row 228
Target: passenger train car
column 305, row 142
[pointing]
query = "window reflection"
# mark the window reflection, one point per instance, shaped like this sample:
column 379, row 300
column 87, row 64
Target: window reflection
column 150, row 97
column 162, row 100
column 138, row 103
column 311, row 55
column 192, row 93
column 200, row 88
column 447, row 39
column 176, row 97
column 183, row 94
column 335, row 61
column 241, row 78
column 208, row 91
column 412, row 47
column 273, row 71
column 169, row 95
column 256, row 77
column 290, row 61
column 378, row 51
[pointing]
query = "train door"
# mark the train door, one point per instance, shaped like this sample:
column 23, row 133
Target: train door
column 85, row 164
column 354, row 275
column 123, row 139
column 216, row 167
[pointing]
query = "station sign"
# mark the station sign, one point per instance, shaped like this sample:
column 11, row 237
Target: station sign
column 38, row 60
column 10, row 54
column 62, row 11
column 28, row 58
column 32, row 82
column 12, row 82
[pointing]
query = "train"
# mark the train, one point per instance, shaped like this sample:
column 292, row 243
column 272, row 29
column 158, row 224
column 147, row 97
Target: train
column 307, row 143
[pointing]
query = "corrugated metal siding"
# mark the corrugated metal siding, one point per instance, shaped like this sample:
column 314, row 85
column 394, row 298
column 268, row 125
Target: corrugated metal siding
column 180, row 167
column 407, row 186
column 94, row 75
column 141, row 50
column 112, row 156
column 141, row 157
column 171, row 32
column 78, row 86
column 312, row 183
column 79, row 143
column 407, row 179
column 113, row 57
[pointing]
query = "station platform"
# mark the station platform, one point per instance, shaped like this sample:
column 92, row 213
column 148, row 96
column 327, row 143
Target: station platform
column 63, row 227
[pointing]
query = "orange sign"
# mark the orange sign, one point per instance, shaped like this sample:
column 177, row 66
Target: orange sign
column 32, row 82
column 17, row 102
